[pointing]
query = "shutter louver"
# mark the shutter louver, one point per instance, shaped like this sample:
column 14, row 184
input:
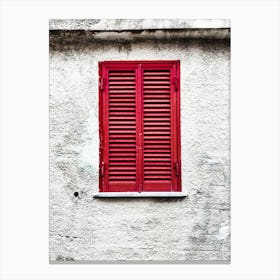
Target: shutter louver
column 122, row 130
column 157, row 130
column 139, row 126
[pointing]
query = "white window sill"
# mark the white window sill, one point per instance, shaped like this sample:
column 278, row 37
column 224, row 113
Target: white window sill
column 138, row 194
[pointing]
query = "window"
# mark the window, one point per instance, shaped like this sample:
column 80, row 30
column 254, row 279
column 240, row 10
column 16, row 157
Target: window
column 139, row 113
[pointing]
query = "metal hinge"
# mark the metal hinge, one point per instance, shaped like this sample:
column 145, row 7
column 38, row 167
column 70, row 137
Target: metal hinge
column 101, row 83
column 102, row 168
column 176, row 167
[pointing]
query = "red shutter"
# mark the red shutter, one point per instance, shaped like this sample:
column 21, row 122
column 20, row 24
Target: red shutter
column 139, row 126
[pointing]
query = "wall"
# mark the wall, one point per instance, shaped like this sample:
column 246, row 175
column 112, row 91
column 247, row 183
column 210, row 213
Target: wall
column 83, row 228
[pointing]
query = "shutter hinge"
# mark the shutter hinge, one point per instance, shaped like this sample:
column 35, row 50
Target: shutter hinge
column 101, row 83
column 176, row 167
column 102, row 168
column 175, row 83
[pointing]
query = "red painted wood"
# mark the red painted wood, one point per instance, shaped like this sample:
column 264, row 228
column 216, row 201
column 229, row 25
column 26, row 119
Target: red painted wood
column 139, row 114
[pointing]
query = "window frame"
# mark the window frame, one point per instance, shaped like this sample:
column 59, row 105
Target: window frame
column 174, row 66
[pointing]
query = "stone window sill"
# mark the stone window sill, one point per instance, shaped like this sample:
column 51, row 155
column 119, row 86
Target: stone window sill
column 138, row 194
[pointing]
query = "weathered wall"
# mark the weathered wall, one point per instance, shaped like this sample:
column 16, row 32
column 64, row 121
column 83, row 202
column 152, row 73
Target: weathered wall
column 195, row 228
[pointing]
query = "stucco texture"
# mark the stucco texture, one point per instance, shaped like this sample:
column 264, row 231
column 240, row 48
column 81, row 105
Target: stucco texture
column 191, row 229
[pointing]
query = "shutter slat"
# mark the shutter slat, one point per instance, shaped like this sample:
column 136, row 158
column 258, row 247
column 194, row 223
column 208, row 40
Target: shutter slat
column 155, row 73
column 122, row 168
column 154, row 111
column 157, row 146
column 147, row 115
column 163, row 104
column 122, row 83
column 122, row 92
column 125, row 177
column 121, row 100
column 153, row 124
column 120, row 74
column 122, row 150
column 155, row 156
column 123, row 78
column 127, row 118
column 125, row 127
column 121, row 87
column 111, row 114
column 157, row 160
column 157, row 177
column 115, row 140
column 156, row 91
column 158, row 119
column 151, row 100
column 155, row 168
column 149, row 77
column 124, row 158
column 159, row 83
column 149, row 164
column 123, row 172
column 157, row 87
column 125, row 164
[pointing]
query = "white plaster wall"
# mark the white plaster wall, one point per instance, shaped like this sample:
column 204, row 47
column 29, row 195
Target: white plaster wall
column 136, row 24
column 196, row 228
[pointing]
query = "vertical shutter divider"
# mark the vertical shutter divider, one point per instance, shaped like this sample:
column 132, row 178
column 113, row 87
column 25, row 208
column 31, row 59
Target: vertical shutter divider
column 141, row 130
column 139, row 133
column 101, row 138
column 106, row 132
column 173, row 92
column 178, row 123
column 105, row 95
